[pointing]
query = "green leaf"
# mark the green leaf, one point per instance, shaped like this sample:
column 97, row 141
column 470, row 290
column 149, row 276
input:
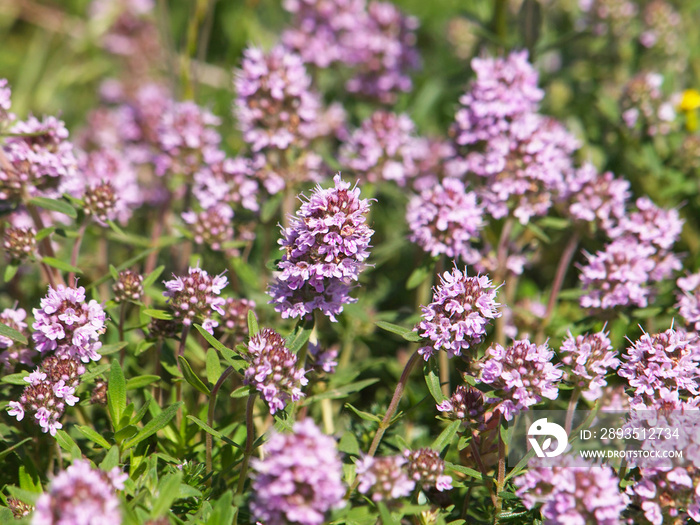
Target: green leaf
column 385, row 515
column 348, row 444
column 93, row 436
column 141, row 381
column 213, row 366
column 419, row 275
column 167, row 493
column 125, row 432
column 446, row 436
column 66, row 443
column 191, row 377
column 223, row 511
column 157, row 314
column 554, row 223
column 44, row 232
column 270, row 207
column 9, row 450
column 13, row 334
column 92, row 374
column 29, row 478
column 432, row 379
column 538, row 232
column 364, row 415
column 213, row 341
column 647, row 313
column 253, row 327
column 56, row 205
column 341, row 391
column 114, row 272
column 406, row 333
column 10, row 272
column 245, row 272
column 61, row 265
column 209, row 430
column 116, row 394
column 111, row 459
column 300, row 336
column 154, row 425
column 112, row 348
column 24, row 495
column 16, row 379
column 464, row 470
column 148, row 281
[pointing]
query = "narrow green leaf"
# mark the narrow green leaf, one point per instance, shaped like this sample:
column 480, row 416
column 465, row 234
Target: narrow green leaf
column 270, row 207
column 116, row 393
column 9, row 450
column 191, row 377
column 223, row 510
column 114, row 272
column 385, row 515
column 112, row 348
column 213, row 366
column 406, row 333
column 26, row 496
column 13, row 334
column 66, row 443
column 93, row 436
column 300, row 336
column 432, row 379
column 348, row 444
column 92, row 374
column 341, row 391
column 141, row 381
column 125, row 432
column 29, row 477
column 157, row 314
column 364, row 415
column 151, row 278
column 245, row 272
column 167, row 493
column 56, row 205
column 10, row 272
column 464, row 470
column 111, row 459
column 253, row 327
column 538, row 232
column 16, row 379
column 213, row 341
column 61, row 265
column 218, row 435
column 446, row 436
column 44, row 232
column 418, row 275
column 154, row 425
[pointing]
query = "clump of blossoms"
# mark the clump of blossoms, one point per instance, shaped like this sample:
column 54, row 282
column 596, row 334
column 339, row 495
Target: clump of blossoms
column 643, row 106
column 185, row 134
column 613, row 16
column 275, row 105
column 211, row 227
column 81, row 495
column 11, row 352
column 18, row 243
column 273, row 370
column 670, row 359
column 601, row 198
column 457, row 318
column 324, row 360
column 589, row 357
column 383, row 148
column 426, row 468
column 38, row 157
column 128, row 287
column 68, row 325
column 5, row 101
column 668, row 496
column 384, row 52
column 227, row 180
column 234, row 320
column 444, row 219
column 384, row 479
column 195, row 297
column 689, row 299
column 466, row 404
column 51, row 388
column 100, row 202
column 662, row 29
column 573, row 492
column 523, row 373
column 300, row 479
column 326, row 246
column 504, row 89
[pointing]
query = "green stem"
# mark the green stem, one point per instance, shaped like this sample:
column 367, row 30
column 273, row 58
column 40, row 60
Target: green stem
column 571, row 409
column 249, row 438
column 122, row 318
column 200, row 12
column 499, row 22
column 210, row 416
column 178, row 385
column 482, row 469
column 501, row 476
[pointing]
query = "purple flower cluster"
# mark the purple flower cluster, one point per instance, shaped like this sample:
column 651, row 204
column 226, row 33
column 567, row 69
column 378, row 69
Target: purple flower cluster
column 128, row 287
column 5, row 101
column 11, row 352
column 326, row 246
column 185, row 135
column 662, row 28
column 689, row 299
column 457, row 318
column 81, row 495
column 600, row 199
column 669, row 359
column 234, row 320
column 18, row 243
column 643, row 107
column 40, row 157
column 445, row 219
column 426, row 468
column 467, row 404
column 384, row 479
column 588, row 358
column 67, row 325
column 573, row 492
column 523, row 373
column 668, row 496
column 51, row 388
column 211, row 227
column 195, row 297
column 323, row 360
column 227, row 180
column 299, row 480
column 275, row 106
column 273, row 370
column 383, row 148
column 613, row 16
column 377, row 41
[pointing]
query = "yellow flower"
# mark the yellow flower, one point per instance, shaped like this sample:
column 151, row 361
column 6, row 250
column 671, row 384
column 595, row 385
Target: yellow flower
column 690, row 102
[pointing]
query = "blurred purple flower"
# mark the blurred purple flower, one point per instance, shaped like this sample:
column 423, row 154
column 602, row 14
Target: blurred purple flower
column 689, row 299
column 384, row 479
column 589, row 357
column 13, row 353
column 426, row 468
column 195, row 297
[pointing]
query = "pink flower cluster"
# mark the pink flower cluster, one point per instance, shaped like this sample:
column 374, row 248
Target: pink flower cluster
column 195, row 297
column 11, row 352
column 589, row 357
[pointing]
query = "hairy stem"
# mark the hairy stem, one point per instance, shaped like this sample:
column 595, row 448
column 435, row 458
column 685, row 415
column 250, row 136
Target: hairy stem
column 122, row 318
column 482, row 468
column 501, row 476
column 75, row 253
column 571, row 409
column 210, row 417
column 249, row 438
